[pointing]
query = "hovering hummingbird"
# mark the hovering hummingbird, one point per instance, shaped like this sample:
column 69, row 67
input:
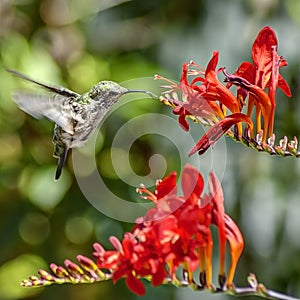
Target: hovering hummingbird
column 75, row 116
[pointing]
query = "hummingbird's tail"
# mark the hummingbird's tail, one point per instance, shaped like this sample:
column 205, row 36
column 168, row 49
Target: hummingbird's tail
column 61, row 161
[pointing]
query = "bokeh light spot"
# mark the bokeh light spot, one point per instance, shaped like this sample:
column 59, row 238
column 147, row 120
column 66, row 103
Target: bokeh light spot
column 34, row 228
column 14, row 271
column 78, row 230
column 43, row 191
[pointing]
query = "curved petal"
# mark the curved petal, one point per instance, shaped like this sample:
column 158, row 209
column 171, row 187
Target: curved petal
column 216, row 131
column 262, row 55
column 236, row 245
column 167, row 186
column 192, row 182
column 216, row 193
column 135, row 285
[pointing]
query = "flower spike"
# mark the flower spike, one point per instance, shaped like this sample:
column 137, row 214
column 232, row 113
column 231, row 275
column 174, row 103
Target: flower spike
column 216, row 131
column 175, row 234
column 201, row 97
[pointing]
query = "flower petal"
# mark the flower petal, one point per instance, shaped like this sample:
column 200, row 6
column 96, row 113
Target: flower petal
column 212, row 65
column 282, row 84
column 167, row 186
column 135, row 285
column 159, row 276
column 216, row 193
column 246, row 70
column 236, row 244
column 262, row 55
column 192, row 182
column 216, row 89
column 216, row 131
column 179, row 110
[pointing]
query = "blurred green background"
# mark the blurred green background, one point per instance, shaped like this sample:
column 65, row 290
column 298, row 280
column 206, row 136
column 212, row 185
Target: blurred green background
column 78, row 43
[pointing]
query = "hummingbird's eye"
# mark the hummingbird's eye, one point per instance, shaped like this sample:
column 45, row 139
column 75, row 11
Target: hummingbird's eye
column 93, row 92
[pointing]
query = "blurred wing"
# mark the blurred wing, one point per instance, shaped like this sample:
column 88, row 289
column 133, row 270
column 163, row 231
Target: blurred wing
column 55, row 89
column 49, row 106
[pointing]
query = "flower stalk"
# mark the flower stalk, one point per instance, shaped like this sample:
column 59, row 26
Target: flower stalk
column 252, row 289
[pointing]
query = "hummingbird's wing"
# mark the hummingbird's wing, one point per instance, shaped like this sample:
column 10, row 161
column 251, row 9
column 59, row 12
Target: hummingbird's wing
column 49, row 106
column 55, row 89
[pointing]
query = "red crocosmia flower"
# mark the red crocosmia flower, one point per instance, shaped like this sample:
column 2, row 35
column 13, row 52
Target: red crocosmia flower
column 166, row 187
column 263, row 74
column 236, row 244
column 247, row 71
column 262, row 100
column 206, row 100
column 135, row 285
column 198, row 105
column 182, row 112
column 262, row 55
column 172, row 235
column 215, row 90
column 215, row 132
column 267, row 62
column 193, row 101
column 218, row 217
column 169, row 238
column 204, row 96
column 228, row 230
column 192, row 184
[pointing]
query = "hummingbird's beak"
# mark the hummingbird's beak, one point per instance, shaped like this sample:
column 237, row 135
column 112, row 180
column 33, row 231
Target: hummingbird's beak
column 142, row 91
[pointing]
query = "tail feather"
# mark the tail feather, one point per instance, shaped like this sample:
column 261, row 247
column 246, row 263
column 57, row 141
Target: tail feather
column 61, row 161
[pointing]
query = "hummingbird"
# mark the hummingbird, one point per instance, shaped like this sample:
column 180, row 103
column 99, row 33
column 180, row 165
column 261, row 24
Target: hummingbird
column 76, row 116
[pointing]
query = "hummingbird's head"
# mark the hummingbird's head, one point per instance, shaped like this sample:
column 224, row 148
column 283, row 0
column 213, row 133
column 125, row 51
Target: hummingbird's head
column 108, row 91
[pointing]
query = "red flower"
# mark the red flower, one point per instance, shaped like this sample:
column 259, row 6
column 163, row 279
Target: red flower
column 228, row 230
column 206, row 99
column 267, row 62
column 193, row 103
column 216, row 131
column 175, row 233
column 262, row 74
column 215, row 90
